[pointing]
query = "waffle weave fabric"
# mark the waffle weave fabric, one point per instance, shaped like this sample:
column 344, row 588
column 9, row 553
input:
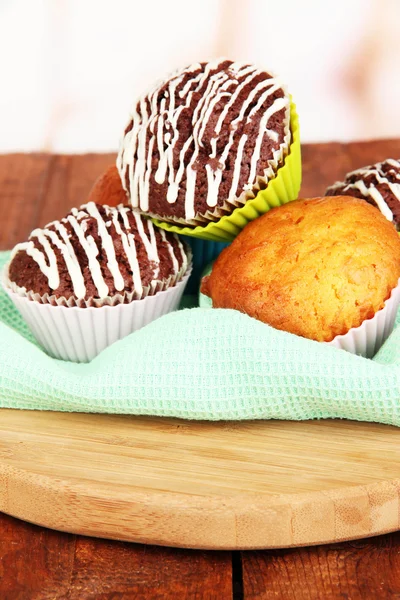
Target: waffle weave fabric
column 202, row 364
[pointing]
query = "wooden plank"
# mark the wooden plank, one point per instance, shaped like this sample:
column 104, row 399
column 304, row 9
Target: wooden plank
column 365, row 153
column 23, row 182
column 362, row 570
column 323, row 164
column 43, row 564
column 37, row 188
column 69, row 183
column 34, row 562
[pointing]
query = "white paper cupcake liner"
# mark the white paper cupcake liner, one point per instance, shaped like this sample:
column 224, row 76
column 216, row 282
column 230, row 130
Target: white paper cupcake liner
column 78, row 334
column 366, row 339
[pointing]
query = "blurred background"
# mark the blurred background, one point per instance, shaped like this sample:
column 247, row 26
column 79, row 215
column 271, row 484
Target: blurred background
column 72, row 68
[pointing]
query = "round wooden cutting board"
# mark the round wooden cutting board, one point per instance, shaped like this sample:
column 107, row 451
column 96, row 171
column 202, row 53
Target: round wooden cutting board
column 220, row 485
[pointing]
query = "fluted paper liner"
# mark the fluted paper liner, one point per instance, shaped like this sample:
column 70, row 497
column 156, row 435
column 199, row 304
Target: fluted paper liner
column 366, row 339
column 79, row 333
column 283, row 188
column 204, row 252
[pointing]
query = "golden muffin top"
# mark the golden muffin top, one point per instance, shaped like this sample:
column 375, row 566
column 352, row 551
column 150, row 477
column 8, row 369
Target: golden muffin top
column 314, row 267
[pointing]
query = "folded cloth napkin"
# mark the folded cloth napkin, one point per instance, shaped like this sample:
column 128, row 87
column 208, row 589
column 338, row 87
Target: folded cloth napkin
column 202, row 364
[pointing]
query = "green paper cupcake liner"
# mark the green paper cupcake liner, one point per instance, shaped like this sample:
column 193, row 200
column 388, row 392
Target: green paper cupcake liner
column 280, row 190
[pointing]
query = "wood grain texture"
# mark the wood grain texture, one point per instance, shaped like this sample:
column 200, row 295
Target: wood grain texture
column 23, row 183
column 40, row 564
column 323, row 164
column 360, row 570
column 37, row 188
column 265, row 484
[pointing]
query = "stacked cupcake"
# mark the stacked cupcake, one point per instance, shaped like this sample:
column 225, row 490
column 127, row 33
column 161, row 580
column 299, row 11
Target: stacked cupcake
column 206, row 141
column 207, row 150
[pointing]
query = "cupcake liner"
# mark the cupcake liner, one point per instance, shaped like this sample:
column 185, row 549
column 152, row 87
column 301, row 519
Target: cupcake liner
column 366, row 339
column 204, row 252
column 281, row 189
column 79, row 333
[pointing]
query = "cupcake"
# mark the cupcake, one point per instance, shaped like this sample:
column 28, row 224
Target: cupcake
column 378, row 184
column 322, row 269
column 204, row 141
column 93, row 277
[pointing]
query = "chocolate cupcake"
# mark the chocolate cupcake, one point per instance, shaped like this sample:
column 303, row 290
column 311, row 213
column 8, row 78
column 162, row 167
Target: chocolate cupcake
column 99, row 264
column 204, row 141
column 378, row 184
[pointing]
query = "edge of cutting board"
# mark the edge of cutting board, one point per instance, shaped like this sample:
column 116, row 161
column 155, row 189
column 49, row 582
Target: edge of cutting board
column 89, row 504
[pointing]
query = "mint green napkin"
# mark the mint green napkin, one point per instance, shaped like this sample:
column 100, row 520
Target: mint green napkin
column 202, row 364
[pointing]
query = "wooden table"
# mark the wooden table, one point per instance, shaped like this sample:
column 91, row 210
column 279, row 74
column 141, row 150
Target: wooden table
column 39, row 564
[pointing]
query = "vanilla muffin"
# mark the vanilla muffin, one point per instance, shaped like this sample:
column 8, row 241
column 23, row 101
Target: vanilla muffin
column 315, row 268
column 204, row 141
column 378, row 184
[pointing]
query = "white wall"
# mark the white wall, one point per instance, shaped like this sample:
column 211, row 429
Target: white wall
column 70, row 69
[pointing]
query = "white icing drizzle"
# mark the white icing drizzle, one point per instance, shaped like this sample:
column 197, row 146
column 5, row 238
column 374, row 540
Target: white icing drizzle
column 160, row 116
column 50, row 269
column 376, row 171
column 215, row 177
column 228, row 105
column 278, row 104
column 183, row 253
column 149, row 244
column 56, row 236
column 380, row 202
column 392, row 163
column 108, row 245
column 129, row 245
column 68, row 254
column 89, row 246
column 236, row 174
column 175, row 264
column 78, row 213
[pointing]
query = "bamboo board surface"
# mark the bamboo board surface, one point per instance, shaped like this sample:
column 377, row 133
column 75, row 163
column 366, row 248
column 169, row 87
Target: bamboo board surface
column 266, row 484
